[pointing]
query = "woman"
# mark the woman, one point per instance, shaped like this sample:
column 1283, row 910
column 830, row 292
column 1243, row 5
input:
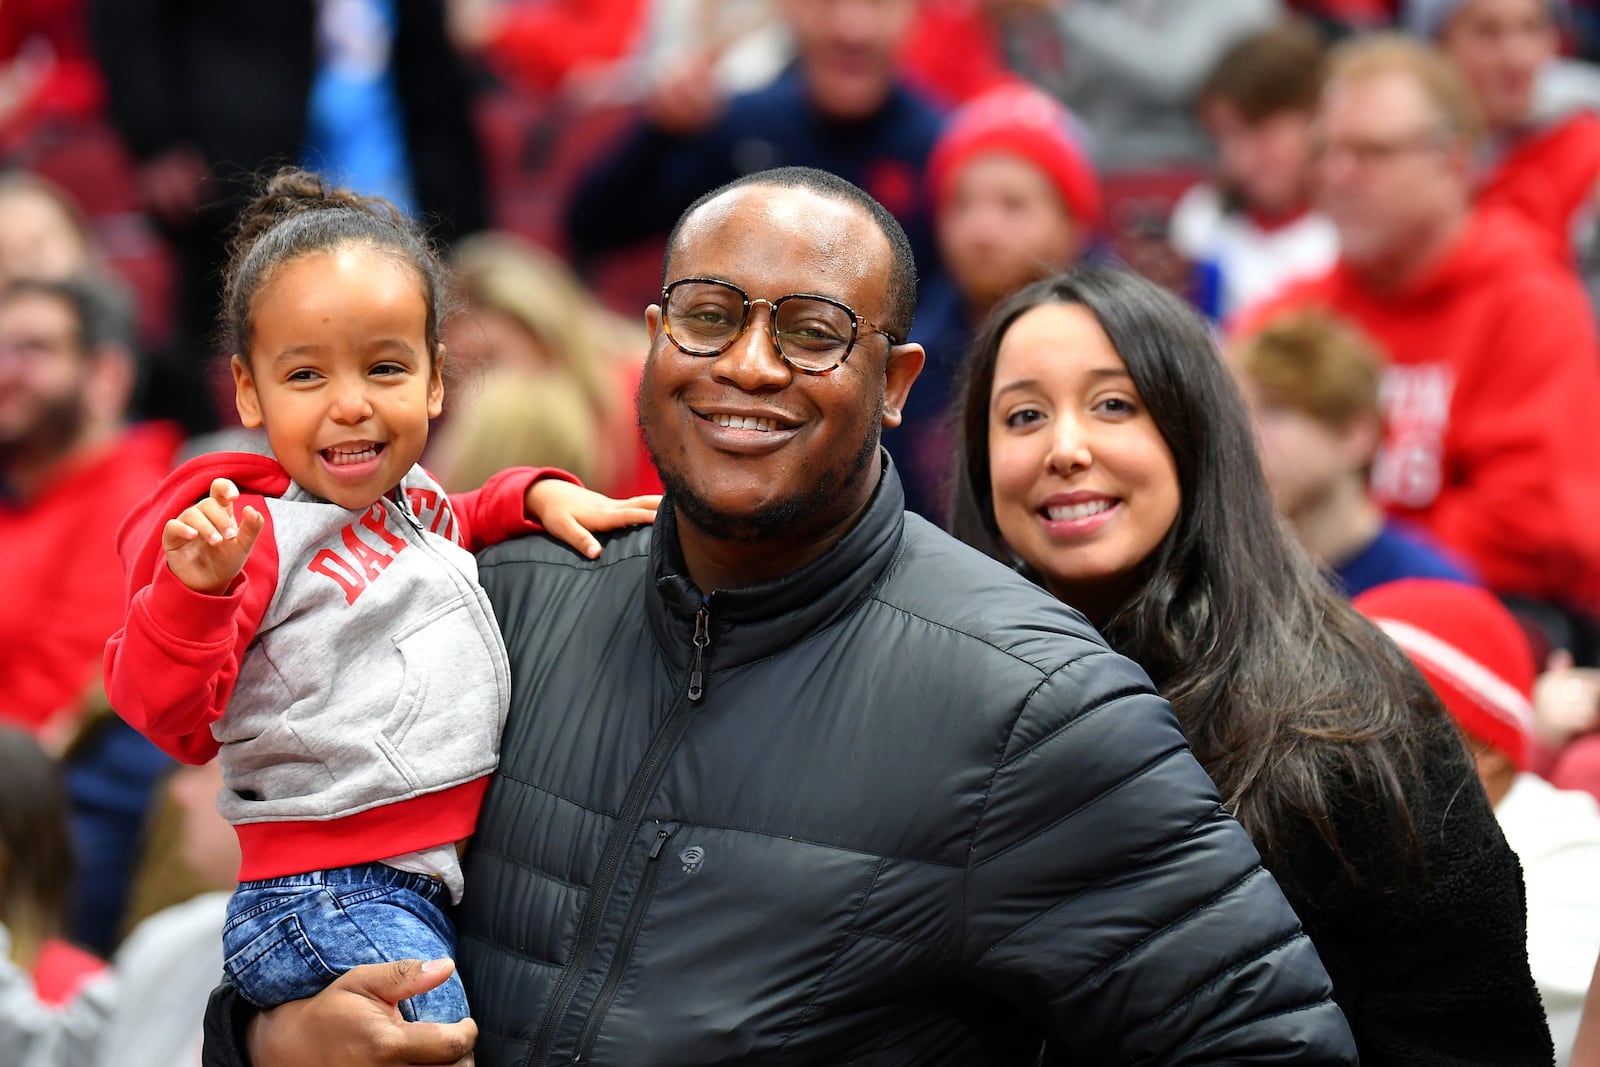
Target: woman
column 1106, row 451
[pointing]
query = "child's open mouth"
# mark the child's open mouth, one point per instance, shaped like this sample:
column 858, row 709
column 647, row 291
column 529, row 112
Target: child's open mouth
column 352, row 454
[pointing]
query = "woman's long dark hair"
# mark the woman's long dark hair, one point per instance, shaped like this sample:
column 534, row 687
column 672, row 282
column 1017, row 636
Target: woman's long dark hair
column 1287, row 696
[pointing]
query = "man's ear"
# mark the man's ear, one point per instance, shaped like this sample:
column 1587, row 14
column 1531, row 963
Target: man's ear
column 245, row 399
column 902, row 367
column 652, row 321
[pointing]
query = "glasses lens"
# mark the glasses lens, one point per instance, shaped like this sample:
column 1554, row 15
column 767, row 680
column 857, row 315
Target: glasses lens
column 703, row 316
column 814, row 334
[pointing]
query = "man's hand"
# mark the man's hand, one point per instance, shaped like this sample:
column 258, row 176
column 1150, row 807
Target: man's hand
column 206, row 546
column 570, row 511
column 356, row 1021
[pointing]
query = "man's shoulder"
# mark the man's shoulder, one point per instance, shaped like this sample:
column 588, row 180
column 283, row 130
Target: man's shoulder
column 982, row 606
column 543, row 552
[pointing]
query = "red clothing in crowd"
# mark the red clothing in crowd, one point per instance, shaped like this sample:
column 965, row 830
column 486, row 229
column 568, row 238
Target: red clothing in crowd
column 1549, row 177
column 62, row 970
column 953, row 53
column 1491, row 406
column 538, row 45
column 54, row 36
column 63, row 590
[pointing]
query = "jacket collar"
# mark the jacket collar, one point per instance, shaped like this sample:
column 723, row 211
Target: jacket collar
column 756, row 621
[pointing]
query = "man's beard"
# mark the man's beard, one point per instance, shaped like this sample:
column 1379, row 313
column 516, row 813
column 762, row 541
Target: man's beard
column 51, row 434
column 785, row 517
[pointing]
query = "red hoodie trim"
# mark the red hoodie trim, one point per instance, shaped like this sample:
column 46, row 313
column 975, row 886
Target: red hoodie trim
column 279, row 848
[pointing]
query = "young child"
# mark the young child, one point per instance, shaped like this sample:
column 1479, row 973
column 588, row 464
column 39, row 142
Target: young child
column 1311, row 381
column 316, row 616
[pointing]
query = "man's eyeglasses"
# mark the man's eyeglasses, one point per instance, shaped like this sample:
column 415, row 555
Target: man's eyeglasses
column 813, row 334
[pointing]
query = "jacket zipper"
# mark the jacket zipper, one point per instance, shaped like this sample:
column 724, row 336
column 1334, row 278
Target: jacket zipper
column 629, row 819
column 619, row 962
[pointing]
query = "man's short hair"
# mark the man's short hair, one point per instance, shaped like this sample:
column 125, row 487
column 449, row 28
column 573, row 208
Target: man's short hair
column 902, row 291
column 1316, row 363
column 1268, row 73
column 1363, row 58
column 103, row 308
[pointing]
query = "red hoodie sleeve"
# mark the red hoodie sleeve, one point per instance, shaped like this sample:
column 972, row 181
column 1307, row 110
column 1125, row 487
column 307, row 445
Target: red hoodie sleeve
column 171, row 669
column 498, row 512
column 1521, row 498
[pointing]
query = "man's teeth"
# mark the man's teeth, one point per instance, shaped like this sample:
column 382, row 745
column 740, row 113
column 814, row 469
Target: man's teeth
column 744, row 422
column 342, row 456
column 1073, row 512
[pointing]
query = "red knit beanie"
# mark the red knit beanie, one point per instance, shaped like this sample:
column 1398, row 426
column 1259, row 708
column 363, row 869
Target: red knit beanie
column 1469, row 648
column 1022, row 121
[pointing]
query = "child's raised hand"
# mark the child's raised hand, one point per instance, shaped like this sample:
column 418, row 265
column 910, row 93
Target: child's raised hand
column 206, row 546
column 570, row 512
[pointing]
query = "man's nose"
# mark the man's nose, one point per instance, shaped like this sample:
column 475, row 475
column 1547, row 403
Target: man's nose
column 752, row 363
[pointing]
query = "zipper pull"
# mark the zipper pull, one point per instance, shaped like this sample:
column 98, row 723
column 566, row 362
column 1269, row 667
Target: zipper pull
column 702, row 638
column 662, row 837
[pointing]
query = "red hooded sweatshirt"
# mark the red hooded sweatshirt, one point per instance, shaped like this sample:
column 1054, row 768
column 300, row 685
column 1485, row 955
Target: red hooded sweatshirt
column 1491, row 406
column 1549, row 178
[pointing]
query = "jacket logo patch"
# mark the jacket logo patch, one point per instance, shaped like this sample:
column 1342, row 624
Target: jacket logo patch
column 691, row 858
column 359, row 564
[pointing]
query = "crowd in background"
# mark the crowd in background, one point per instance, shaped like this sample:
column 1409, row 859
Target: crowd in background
column 1390, row 210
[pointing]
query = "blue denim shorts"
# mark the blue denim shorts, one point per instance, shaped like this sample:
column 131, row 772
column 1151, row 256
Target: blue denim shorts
column 288, row 938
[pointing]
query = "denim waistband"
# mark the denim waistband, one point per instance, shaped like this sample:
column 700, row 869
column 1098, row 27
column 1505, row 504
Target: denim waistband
column 375, row 874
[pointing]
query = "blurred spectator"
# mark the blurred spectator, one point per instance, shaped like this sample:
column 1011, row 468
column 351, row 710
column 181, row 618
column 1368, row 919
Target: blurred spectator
column 1130, row 68
column 148, row 1009
column 526, row 321
column 48, row 74
column 36, row 870
column 1252, row 231
column 1311, row 382
column 519, row 418
column 1542, row 157
column 67, row 375
column 42, row 232
column 205, row 94
column 1491, row 444
column 1473, row 653
column 1016, row 200
column 841, row 107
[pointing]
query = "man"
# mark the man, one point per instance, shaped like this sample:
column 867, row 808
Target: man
column 1490, row 442
column 1542, row 156
column 1474, row 655
column 801, row 778
column 70, row 469
column 841, row 108
column 67, row 376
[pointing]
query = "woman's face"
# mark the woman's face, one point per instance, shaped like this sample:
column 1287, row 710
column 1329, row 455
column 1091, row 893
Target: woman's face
column 1084, row 486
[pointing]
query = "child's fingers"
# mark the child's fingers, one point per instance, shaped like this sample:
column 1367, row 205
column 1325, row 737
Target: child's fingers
column 573, row 533
column 250, row 528
column 652, row 501
column 177, row 533
column 224, row 491
column 221, row 517
column 198, row 520
column 615, row 515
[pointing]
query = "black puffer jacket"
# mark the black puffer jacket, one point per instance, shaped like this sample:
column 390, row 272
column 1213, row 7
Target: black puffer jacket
column 900, row 807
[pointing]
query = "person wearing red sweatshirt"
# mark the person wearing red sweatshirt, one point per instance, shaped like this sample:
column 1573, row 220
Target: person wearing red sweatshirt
column 1541, row 158
column 1491, row 437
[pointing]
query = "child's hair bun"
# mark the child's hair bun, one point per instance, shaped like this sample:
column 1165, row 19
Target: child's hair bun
column 294, row 191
